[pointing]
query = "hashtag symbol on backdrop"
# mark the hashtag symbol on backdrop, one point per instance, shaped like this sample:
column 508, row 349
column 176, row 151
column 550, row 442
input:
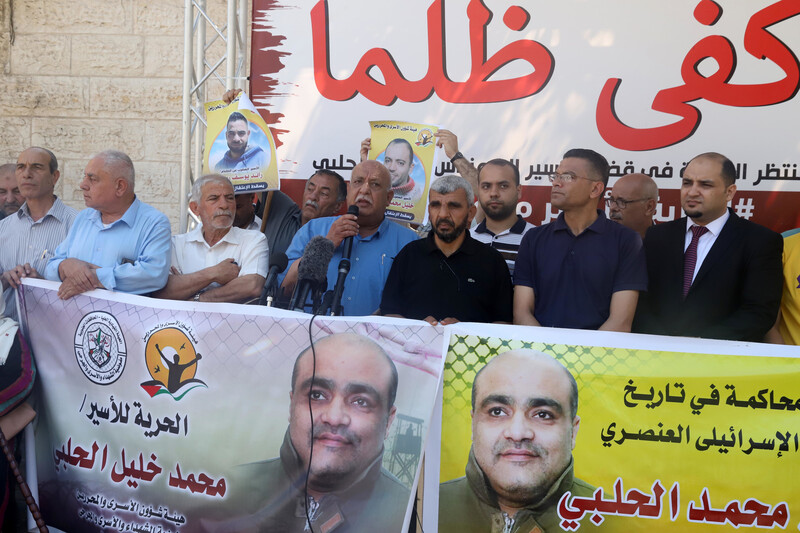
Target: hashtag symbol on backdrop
column 744, row 208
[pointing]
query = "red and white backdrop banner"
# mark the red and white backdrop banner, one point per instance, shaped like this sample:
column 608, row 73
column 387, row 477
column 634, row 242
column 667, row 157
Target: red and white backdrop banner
column 648, row 84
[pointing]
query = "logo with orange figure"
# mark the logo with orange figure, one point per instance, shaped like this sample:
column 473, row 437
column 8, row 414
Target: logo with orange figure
column 424, row 137
column 172, row 362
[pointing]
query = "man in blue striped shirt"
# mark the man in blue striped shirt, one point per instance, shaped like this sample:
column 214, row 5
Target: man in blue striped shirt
column 31, row 234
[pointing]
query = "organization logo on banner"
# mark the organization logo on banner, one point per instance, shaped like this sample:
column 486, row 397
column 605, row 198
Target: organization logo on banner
column 172, row 361
column 100, row 347
column 424, row 137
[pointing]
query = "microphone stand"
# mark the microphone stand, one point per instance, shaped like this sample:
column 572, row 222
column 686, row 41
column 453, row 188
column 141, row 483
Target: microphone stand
column 338, row 289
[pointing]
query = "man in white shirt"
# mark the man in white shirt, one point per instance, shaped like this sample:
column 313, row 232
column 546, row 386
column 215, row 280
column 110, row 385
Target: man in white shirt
column 216, row 262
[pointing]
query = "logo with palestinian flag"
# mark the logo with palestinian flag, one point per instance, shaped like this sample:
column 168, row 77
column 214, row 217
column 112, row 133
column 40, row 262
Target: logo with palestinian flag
column 172, row 361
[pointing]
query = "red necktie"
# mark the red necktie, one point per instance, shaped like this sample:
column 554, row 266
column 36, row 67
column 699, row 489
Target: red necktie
column 690, row 257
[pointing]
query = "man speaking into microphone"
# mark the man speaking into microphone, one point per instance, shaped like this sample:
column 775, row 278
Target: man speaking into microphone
column 375, row 240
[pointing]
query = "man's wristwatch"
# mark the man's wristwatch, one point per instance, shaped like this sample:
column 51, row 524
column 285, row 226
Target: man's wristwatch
column 456, row 157
column 196, row 297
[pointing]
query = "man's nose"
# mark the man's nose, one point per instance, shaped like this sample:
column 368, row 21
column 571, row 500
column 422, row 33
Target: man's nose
column 335, row 413
column 519, row 428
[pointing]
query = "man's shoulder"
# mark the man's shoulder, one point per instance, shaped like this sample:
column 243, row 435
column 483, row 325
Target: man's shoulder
column 753, row 230
column 581, row 488
column 149, row 212
column 389, row 485
column 245, row 236
column 665, row 228
column 456, row 497
column 397, row 231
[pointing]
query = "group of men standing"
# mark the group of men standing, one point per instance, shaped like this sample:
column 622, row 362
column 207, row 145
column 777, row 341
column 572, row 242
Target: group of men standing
column 710, row 274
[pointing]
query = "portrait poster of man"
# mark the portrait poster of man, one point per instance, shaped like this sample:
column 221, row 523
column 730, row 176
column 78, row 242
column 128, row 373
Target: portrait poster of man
column 648, row 447
column 239, row 145
column 209, row 416
column 408, row 150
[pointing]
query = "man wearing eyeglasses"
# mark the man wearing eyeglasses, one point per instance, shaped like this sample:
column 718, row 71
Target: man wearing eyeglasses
column 582, row 270
column 633, row 202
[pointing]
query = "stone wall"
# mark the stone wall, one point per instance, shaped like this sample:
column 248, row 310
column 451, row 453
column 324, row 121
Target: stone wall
column 81, row 77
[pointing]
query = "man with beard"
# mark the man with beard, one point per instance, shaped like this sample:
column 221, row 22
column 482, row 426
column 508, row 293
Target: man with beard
column 498, row 194
column 524, row 428
column 341, row 407
column 376, row 240
column 240, row 155
column 216, row 262
column 449, row 276
column 711, row 274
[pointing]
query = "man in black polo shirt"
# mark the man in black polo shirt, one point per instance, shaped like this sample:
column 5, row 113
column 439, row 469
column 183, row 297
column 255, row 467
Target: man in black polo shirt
column 449, row 276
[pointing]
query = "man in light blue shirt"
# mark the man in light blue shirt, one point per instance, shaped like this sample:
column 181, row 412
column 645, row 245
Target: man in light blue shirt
column 119, row 243
column 376, row 240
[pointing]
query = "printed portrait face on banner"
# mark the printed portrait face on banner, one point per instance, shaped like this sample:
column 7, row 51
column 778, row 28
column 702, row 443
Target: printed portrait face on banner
column 351, row 399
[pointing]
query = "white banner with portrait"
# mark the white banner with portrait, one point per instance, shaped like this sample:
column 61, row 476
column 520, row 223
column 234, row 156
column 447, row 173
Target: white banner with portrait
column 157, row 415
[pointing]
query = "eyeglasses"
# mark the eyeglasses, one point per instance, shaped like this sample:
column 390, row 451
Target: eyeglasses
column 566, row 177
column 622, row 204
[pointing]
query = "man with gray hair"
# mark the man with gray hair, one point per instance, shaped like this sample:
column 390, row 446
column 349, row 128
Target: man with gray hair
column 449, row 276
column 119, row 243
column 216, row 261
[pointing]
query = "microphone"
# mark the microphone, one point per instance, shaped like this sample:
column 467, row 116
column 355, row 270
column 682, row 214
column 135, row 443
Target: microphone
column 312, row 271
column 348, row 241
column 344, row 268
column 277, row 264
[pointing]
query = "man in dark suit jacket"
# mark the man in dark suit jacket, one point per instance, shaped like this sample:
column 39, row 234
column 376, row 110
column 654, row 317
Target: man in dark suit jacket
column 724, row 285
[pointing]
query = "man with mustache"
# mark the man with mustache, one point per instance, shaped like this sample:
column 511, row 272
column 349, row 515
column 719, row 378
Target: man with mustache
column 119, row 243
column 349, row 386
column 376, row 240
column 240, row 155
column 524, row 427
column 216, row 262
column 449, row 276
column 633, row 202
column 323, row 196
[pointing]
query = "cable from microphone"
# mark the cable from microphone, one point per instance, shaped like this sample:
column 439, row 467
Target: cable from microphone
column 343, row 270
column 277, row 264
column 312, row 271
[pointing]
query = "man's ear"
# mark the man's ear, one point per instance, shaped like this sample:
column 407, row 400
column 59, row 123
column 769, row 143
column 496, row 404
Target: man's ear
column 650, row 207
column 56, row 175
column 194, row 207
column 730, row 192
column 121, row 187
column 576, row 423
column 598, row 188
column 472, row 212
column 389, row 420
